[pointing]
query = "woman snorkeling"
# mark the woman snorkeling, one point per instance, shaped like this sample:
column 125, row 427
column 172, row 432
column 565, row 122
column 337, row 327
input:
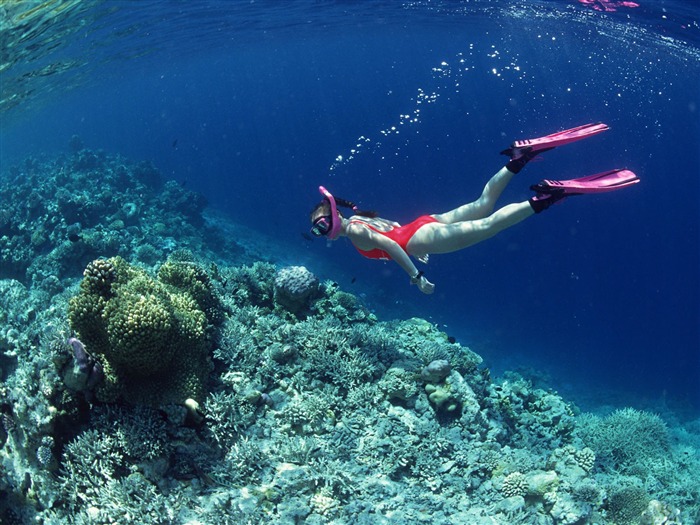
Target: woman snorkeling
column 471, row 223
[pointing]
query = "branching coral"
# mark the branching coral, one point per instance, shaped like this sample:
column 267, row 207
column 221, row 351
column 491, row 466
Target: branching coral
column 629, row 440
column 250, row 285
column 242, row 461
column 227, row 415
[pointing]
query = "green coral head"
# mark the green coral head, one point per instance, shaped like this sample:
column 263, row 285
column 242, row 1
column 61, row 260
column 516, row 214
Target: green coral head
column 153, row 336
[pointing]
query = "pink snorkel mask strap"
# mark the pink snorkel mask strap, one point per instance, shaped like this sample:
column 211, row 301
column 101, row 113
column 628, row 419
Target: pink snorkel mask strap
column 335, row 217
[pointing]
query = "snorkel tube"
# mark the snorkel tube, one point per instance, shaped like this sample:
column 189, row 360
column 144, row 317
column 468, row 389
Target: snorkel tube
column 335, row 216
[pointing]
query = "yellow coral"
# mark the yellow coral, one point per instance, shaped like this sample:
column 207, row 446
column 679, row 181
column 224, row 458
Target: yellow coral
column 139, row 329
column 152, row 337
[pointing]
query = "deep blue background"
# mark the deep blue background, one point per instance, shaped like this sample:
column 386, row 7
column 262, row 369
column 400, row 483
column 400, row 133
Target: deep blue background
column 602, row 291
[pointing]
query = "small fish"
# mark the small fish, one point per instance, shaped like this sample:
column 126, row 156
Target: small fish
column 451, row 339
column 175, row 144
column 74, row 237
column 307, row 236
column 352, row 281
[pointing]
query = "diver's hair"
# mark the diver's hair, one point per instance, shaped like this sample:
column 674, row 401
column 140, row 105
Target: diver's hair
column 326, row 207
column 348, row 204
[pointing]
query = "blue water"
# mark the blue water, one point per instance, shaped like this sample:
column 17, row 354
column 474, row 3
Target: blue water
column 252, row 103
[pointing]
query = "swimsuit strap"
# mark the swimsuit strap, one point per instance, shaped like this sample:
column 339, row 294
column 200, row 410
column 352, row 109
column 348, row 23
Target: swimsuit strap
column 373, row 228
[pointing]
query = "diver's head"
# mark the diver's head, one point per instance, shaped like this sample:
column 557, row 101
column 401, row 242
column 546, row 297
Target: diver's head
column 321, row 220
column 325, row 218
column 322, row 209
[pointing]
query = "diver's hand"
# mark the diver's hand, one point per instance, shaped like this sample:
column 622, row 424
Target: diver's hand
column 425, row 286
column 424, row 258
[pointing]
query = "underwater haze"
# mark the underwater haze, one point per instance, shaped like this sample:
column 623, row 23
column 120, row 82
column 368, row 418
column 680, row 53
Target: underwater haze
column 401, row 107
column 252, row 104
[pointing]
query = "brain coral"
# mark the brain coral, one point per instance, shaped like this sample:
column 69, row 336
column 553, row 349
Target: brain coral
column 152, row 336
column 295, row 286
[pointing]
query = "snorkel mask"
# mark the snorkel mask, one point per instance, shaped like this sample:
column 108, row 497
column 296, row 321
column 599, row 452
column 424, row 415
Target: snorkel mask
column 328, row 226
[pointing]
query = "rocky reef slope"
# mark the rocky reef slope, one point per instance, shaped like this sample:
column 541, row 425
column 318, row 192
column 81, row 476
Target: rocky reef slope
column 155, row 371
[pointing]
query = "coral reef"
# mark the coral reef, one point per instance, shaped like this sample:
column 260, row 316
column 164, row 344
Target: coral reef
column 58, row 214
column 205, row 386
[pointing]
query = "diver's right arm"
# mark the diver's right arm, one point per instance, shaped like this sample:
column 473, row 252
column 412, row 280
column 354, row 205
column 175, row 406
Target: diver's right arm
column 402, row 258
column 394, row 251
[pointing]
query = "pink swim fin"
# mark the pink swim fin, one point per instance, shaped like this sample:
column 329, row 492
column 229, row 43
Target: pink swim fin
column 522, row 147
column 601, row 182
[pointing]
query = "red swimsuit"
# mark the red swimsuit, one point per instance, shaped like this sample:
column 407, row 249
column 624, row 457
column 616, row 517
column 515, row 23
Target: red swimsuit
column 401, row 235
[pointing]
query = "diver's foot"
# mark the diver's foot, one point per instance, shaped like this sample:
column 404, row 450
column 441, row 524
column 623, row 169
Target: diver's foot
column 522, row 151
column 522, row 156
column 542, row 201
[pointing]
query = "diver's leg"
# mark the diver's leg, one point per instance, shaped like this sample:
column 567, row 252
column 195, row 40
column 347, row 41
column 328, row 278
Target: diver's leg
column 484, row 205
column 445, row 238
